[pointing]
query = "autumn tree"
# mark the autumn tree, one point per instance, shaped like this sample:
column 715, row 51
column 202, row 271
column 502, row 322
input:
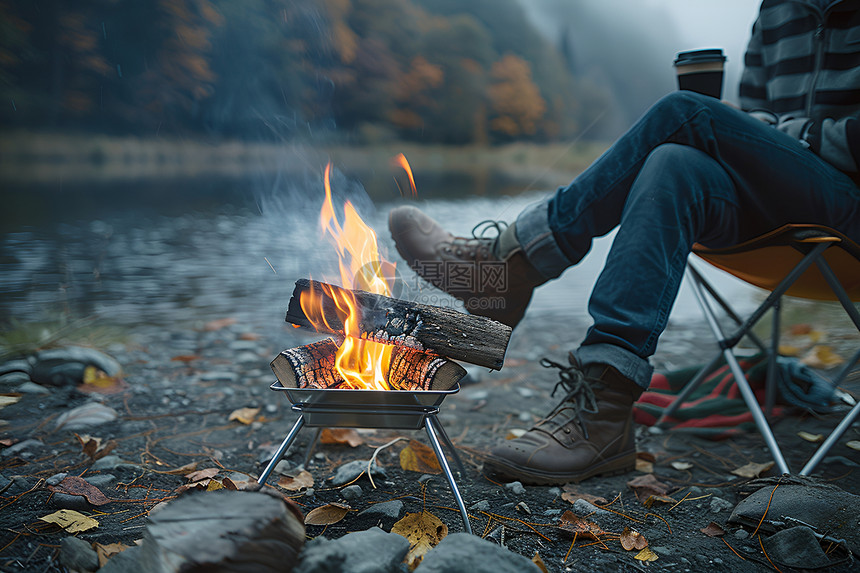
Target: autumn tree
column 516, row 103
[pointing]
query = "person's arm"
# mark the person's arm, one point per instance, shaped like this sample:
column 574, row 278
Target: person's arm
column 835, row 141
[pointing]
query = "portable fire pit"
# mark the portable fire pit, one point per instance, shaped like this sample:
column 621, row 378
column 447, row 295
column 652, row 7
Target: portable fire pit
column 419, row 376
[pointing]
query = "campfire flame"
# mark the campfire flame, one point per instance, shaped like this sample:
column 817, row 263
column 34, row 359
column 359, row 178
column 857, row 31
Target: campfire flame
column 400, row 161
column 362, row 363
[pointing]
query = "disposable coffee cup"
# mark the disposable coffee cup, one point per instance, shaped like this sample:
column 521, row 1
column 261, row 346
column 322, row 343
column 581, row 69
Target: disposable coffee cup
column 701, row 71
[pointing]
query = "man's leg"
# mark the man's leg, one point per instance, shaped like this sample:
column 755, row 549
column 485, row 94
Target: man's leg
column 680, row 196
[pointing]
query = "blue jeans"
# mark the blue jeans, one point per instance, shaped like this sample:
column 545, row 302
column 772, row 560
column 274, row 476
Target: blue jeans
column 692, row 169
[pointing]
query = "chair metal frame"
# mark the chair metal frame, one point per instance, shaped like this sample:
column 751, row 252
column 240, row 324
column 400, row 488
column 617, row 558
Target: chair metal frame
column 812, row 241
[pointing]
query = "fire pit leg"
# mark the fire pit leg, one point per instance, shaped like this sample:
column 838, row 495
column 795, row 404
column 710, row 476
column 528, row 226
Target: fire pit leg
column 431, row 425
column 443, row 435
column 281, row 449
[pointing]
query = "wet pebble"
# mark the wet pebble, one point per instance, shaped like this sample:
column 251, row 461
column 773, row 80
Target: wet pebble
column 29, row 387
column 482, row 505
column 463, row 552
column 78, row 555
column 425, row 478
column 525, row 417
column 367, row 551
column 86, row 416
column 112, row 462
column 271, row 409
column 742, row 534
column 583, row 508
column 219, row 376
column 350, row 471
column 56, row 478
column 14, row 379
column 718, row 504
column 351, row 492
column 21, row 448
column 67, row 501
column 14, row 366
column 101, row 480
column 387, row 508
column 516, row 487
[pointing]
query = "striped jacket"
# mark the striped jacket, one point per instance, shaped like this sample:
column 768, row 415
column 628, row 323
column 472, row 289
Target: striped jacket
column 802, row 73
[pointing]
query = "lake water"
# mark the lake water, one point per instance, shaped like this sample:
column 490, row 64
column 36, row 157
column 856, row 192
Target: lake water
column 180, row 253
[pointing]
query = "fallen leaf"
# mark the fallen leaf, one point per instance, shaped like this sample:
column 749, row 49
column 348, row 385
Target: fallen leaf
column 105, row 552
column 713, row 529
column 424, row 531
column 632, row 539
column 297, row 481
column 244, row 415
column 74, row 485
column 814, row 438
column 99, row 379
column 681, row 466
column 327, row 514
column 71, row 521
column 214, row 485
column 798, row 329
column 539, row 562
column 853, row 444
column 93, row 448
column 249, row 336
column 752, row 469
column 229, row 484
column 515, row 433
column 571, row 495
column 218, row 324
column 644, row 466
column 341, row 436
column 646, row 486
column 182, row 470
column 9, row 399
column 652, row 499
column 572, row 523
column 788, row 350
column 200, row 475
column 822, row 357
column 646, row 555
column 416, row 457
column 185, row 358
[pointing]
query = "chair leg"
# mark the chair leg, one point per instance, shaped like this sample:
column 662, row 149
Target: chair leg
column 772, row 366
column 831, row 440
column 741, row 381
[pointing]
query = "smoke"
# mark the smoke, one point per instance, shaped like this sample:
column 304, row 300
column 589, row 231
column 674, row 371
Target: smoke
column 626, row 46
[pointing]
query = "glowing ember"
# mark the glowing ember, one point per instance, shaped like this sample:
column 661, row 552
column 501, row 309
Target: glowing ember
column 400, row 161
column 363, row 364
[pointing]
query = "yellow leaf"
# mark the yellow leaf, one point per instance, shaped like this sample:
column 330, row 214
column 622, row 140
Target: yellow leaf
column 788, row 350
column 214, row 485
column 814, row 438
column 326, row 514
column 752, row 469
column 424, row 531
column 95, row 377
column 822, row 357
column 244, row 415
column 646, row 555
column 71, row 520
column 416, row 457
column 300, row 480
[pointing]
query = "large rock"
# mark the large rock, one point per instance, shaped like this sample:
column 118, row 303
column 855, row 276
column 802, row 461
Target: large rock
column 463, row 552
column 65, row 366
column 371, row 551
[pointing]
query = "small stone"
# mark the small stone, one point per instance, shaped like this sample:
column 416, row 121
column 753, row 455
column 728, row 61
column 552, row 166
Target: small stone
column 32, row 388
column 86, row 416
column 310, row 492
column 127, row 561
column 283, row 467
column 583, row 508
column 350, row 471
column 525, row 417
column 20, row 447
column 111, row 463
column 388, row 508
column 351, row 492
column 742, row 534
column 219, row 376
column 14, row 378
column 68, row 501
column 554, row 491
column 425, row 478
column 56, row 478
column 718, row 504
column 522, row 507
column 463, row 552
column 525, row 392
column 371, row 551
column 15, row 366
column 78, row 555
column 552, row 512
column 100, row 480
column 271, row 409
column 482, row 505
column 516, row 487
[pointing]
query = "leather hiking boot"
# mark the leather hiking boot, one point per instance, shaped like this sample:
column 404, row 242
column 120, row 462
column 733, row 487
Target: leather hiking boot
column 491, row 275
column 589, row 433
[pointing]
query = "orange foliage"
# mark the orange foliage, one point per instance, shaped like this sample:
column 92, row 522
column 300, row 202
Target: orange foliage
column 422, row 76
column 344, row 39
column 515, row 100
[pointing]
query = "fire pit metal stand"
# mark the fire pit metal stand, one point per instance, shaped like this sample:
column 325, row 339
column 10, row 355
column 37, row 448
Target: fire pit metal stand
column 403, row 410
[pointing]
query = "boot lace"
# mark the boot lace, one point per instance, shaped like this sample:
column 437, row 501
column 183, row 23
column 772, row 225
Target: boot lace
column 579, row 395
column 480, row 230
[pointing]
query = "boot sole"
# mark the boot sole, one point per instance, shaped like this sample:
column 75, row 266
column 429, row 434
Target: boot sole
column 614, row 466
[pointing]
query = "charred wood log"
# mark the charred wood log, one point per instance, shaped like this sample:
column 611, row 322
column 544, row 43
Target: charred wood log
column 313, row 366
column 445, row 331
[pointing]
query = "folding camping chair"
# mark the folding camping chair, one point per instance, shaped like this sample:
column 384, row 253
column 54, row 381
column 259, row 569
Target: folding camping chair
column 806, row 261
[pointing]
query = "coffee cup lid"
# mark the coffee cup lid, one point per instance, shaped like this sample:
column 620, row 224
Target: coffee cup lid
column 700, row 56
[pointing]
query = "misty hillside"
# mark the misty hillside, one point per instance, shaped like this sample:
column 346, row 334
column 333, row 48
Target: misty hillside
column 364, row 71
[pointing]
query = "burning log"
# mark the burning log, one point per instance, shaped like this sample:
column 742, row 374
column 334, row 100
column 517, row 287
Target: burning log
column 313, row 366
column 456, row 335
